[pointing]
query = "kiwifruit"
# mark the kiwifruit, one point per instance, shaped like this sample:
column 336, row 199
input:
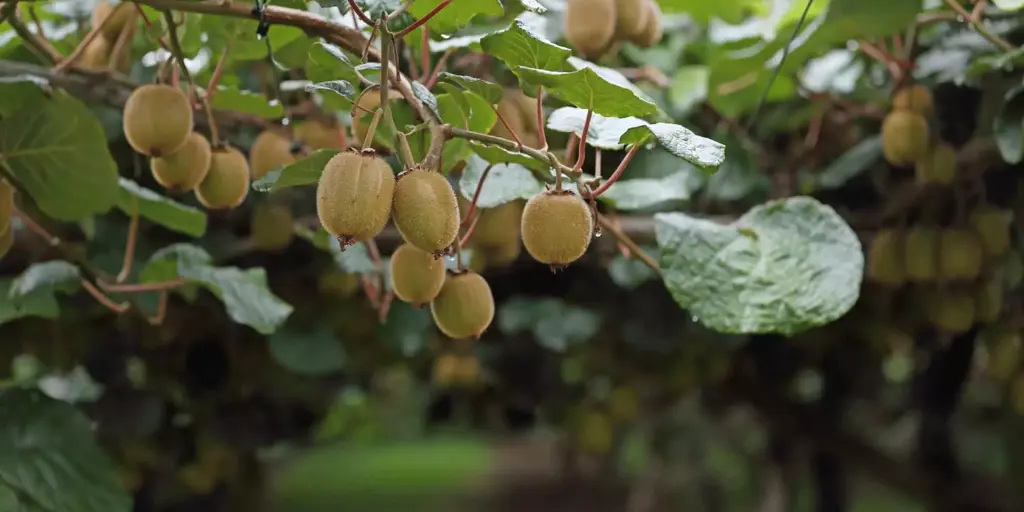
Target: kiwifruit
column 905, row 137
column 914, row 98
column 961, row 255
column 496, row 226
column 653, row 31
column 1003, row 351
column 590, row 26
column 623, row 404
column 6, row 239
column 272, row 227
column 184, row 169
column 6, row 202
column 426, row 211
column 921, row 253
column 631, row 18
column 465, row 306
column 557, row 227
column 993, row 228
column 121, row 15
column 952, row 311
column 510, row 113
column 938, row 165
column 885, row 259
column 96, row 55
column 361, row 117
column 988, row 301
column 319, row 134
column 270, row 150
column 446, row 370
column 337, row 283
column 416, row 275
column 596, row 433
column 226, row 184
column 157, row 119
column 468, row 370
column 353, row 198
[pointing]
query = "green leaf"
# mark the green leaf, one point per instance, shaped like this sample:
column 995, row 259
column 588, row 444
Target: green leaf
column 642, row 193
column 50, row 460
column 51, row 276
column 40, row 303
column 315, row 352
column 407, row 329
column 340, row 87
column 689, row 87
column 57, row 151
column 784, row 267
column 533, row 6
column 457, row 14
column 732, row 11
column 631, row 273
column 165, row 263
column 1008, row 126
column 604, row 132
column 614, row 77
column 500, row 155
column 246, row 102
column 161, row 210
column 245, row 294
column 490, row 91
column 585, row 88
column 305, row 171
column 680, row 141
column 855, row 161
column 518, row 46
column 505, row 183
column 739, row 177
column 326, row 63
column 556, row 324
column 1009, row 5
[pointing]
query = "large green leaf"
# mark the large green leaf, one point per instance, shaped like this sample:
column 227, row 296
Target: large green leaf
column 314, row 352
column 518, row 45
column 161, row 210
column 305, row 171
column 41, row 302
column 457, row 14
column 49, row 459
column 783, row 267
column 585, row 88
column 355, row 259
column 505, row 183
column 642, row 193
column 51, row 276
column 490, row 91
column 246, row 102
column 57, row 151
column 500, row 155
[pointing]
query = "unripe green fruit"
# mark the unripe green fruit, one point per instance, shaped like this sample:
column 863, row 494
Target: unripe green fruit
column 497, row 226
column 416, row 275
column 271, row 150
column 353, row 198
column 952, row 311
column 631, row 19
column 992, row 226
column 596, row 433
column 653, row 31
column 122, row 15
column 885, row 263
column 96, row 55
column 426, row 210
column 921, row 253
column 961, row 255
column 915, row 98
column 6, row 239
column 905, row 138
column 321, row 135
column 157, row 119
column 938, row 165
column 623, row 404
column 557, row 227
column 226, row 184
column 988, row 301
column 590, row 26
column 465, row 306
column 186, row 168
column 272, row 227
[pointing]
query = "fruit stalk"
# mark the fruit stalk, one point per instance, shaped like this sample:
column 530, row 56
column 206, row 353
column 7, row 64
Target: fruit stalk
column 610, row 227
column 618, row 172
column 45, row 52
column 405, row 153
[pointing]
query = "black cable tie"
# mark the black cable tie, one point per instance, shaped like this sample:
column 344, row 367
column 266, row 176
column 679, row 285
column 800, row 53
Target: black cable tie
column 259, row 12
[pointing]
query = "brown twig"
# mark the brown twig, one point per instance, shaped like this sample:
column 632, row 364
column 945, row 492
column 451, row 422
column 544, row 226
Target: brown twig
column 44, row 50
column 103, row 299
column 979, row 26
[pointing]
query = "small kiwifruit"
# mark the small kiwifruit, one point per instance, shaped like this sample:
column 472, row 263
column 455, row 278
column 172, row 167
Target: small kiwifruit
column 6, row 239
column 319, row 134
column 510, row 113
column 596, row 433
column 446, row 370
column 271, row 227
column 885, row 263
column 557, row 227
column 270, row 150
column 921, row 253
column 337, row 283
column 426, row 211
column 184, row 169
column 496, row 226
column 121, row 15
column 623, row 404
column 590, row 26
column 938, row 165
column 468, row 370
column 961, row 255
column 157, row 119
column 465, row 306
column 993, row 228
column 96, row 55
column 653, row 31
column 952, row 311
column 361, row 117
column 527, row 109
column 226, row 184
column 353, row 198
column 988, row 301
column 416, row 275
column 905, row 137
column 914, row 98
column 631, row 18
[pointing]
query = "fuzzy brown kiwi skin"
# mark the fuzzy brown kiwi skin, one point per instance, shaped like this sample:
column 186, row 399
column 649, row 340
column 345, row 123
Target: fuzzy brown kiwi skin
column 157, row 119
column 653, row 31
column 914, row 98
column 557, row 228
column 590, row 26
column 271, row 227
column 426, row 210
column 354, row 195
column 270, row 150
column 96, row 55
column 185, row 169
column 631, row 18
column 226, row 184
column 905, row 138
column 464, row 308
column 416, row 275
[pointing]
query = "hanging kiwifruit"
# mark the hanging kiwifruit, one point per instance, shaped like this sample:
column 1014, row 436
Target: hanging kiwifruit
column 318, row 134
column 557, row 227
column 226, row 184
column 961, row 255
column 653, row 31
column 184, row 169
column 992, row 226
column 631, row 18
column 465, row 306
column 121, row 15
column 596, row 433
column 271, row 227
column 988, row 301
column 952, row 311
column 353, row 198
column 497, row 226
column 885, row 262
column 416, row 275
column 590, row 26
column 157, row 119
column 96, row 55
column 920, row 253
column 938, row 165
column 446, row 370
column 270, row 150
column 914, row 98
column 905, row 137
column 426, row 211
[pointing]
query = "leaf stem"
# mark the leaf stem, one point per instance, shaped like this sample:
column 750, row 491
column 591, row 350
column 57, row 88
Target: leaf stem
column 103, row 299
column 424, row 19
column 161, row 310
column 432, row 81
column 581, row 152
column 618, row 172
column 508, row 128
column 371, row 131
column 141, row 287
column 541, row 156
column 540, row 119
column 34, row 226
column 359, row 12
column 129, row 245
column 476, row 194
column 386, row 41
column 469, row 230
column 211, row 88
column 44, row 51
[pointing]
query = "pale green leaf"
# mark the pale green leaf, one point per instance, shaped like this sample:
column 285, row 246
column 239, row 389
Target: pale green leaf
column 505, row 183
column 457, row 14
column 246, row 102
column 518, row 45
column 585, row 88
column 245, row 294
column 161, row 210
column 305, row 171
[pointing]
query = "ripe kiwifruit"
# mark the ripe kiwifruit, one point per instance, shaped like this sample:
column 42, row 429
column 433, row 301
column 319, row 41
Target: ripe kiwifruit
column 590, row 26
column 653, row 31
column 885, row 259
column 920, row 253
column 446, row 370
column 353, row 198
column 952, row 311
column 623, row 404
column 361, row 118
column 496, row 226
column 319, row 134
column 557, row 227
column 96, row 55
column 993, row 228
column 337, row 283
column 6, row 239
column 270, row 150
column 271, row 227
column 988, row 301
column 915, row 98
column 227, row 182
column 905, row 137
column 121, row 15
column 596, row 433
column 184, row 169
column 631, row 18
column 426, row 211
column 416, row 275
column 938, row 165
column 465, row 306
column 961, row 255
column 157, row 119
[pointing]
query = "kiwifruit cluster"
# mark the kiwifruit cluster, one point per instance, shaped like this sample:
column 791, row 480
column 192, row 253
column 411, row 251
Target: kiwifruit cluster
column 99, row 53
column 908, row 139
column 593, row 26
column 453, row 370
column 6, row 212
column 520, row 112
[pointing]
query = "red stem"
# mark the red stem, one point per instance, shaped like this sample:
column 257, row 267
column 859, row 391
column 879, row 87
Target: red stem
column 36, row 228
column 469, row 231
column 359, row 12
column 103, row 299
column 129, row 246
column 507, row 127
column 570, row 147
column 582, row 150
column 540, row 119
column 476, row 195
column 385, row 306
column 422, row 20
column 215, row 78
column 439, row 67
column 142, row 287
column 161, row 310
column 149, row 25
column 618, row 172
